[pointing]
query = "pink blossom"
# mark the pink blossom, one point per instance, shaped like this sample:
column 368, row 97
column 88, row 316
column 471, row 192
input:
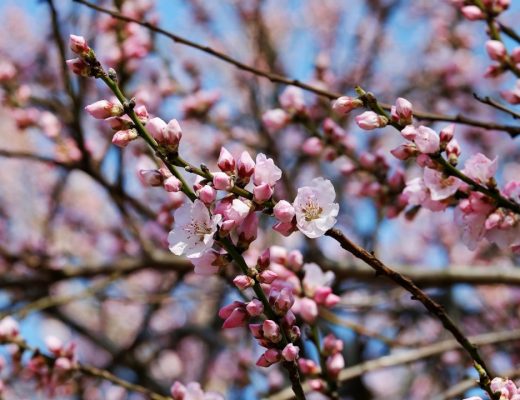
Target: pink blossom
column 496, row 50
column 345, row 104
column 441, row 186
column 206, row 264
column 255, row 308
column 292, row 100
column 9, row 328
column 207, row 194
column 271, row 331
column 369, row 120
column 222, row 181
column 403, row 111
column 79, row 45
column 243, row 282
column 308, row 310
column 234, row 314
column 172, row 184
column 480, row 168
column 470, row 217
column 151, row 177
column 427, row 140
column 290, row 352
column 473, row 13
column 103, row 109
column 168, row 135
column 263, row 192
column 226, row 162
column 446, row 134
column 248, row 229
column 404, row 151
column 245, row 166
column 512, row 96
column 335, row 364
column 79, row 67
column 122, row 138
column 274, row 120
column 315, row 278
column 284, row 211
column 266, row 171
column 312, row 146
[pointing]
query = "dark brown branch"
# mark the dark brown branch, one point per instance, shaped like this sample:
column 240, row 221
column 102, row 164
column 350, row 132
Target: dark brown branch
column 417, row 294
column 512, row 130
column 495, row 104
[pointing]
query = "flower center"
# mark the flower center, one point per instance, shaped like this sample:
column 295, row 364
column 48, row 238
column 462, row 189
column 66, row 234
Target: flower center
column 199, row 229
column 311, row 210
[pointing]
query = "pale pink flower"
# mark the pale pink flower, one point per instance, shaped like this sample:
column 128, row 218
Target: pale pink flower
column 222, row 181
column 274, row 120
column 308, row 309
column 79, row 45
column 312, row 146
column 369, row 120
column 7, row 71
column 290, row 352
column 9, row 328
column 417, row 194
column 292, row 100
column 172, row 184
column 226, row 162
column 496, row 50
column 284, row 211
column 193, row 231
column 166, row 134
column 266, row 171
column 315, row 278
column 103, row 109
column 403, row 111
column 470, row 217
column 441, row 186
column 245, row 166
column 473, row 13
column 345, row 104
column 427, row 140
column 315, row 208
column 262, row 192
column 122, row 138
column 206, row 264
column 335, row 364
column 271, row 331
column 79, row 67
column 480, row 168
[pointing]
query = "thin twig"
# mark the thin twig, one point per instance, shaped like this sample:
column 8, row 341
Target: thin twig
column 495, row 104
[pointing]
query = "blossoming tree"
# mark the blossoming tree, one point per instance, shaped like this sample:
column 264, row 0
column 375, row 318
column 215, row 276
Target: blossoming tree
column 192, row 222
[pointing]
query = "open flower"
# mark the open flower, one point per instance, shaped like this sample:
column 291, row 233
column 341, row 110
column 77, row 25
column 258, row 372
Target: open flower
column 315, row 208
column 193, row 231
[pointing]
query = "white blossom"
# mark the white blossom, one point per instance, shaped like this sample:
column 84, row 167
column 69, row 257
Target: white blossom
column 193, row 230
column 315, row 208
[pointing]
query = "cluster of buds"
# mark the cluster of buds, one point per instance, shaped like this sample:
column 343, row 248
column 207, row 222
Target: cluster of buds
column 367, row 120
column 85, row 63
column 506, row 388
column 474, row 11
column 292, row 108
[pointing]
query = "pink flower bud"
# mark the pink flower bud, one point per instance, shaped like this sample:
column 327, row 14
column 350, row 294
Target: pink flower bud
column 271, row 331
column 331, row 345
column 256, row 331
column 292, row 100
column 282, row 301
column 321, row 293
column 255, row 308
column 151, row 177
column 264, row 260
column 272, row 355
column 226, row 162
column 335, row 364
column 404, row 111
column 142, row 113
column 308, row 367
column 285, row 228
column 263, row 192
column 120, row 123
column 243, row 282
column 79, row 45
column 178, row 391
column 290, row 352
column 345, row 104
column 496, row 50
column 294, row 260
column 9, row 328
column 156, row 127
column 248, row 229
column 274, row 120
column 222, row 181
column 284, row 211
column 369, row 120
column 122, row 138
column 172, row 184
column 267, row 276
column 170, row 136
column 409, row 132
column 207, row 194
column 245, row 166
column 453, row 148
column 447, row 133
column 404, row 151
column 103, row 109
column 63, row 364
column 54, row 344
column 308, row 310
column 235, row 315
column 427, row 140
column 472, row 13
column 312, row 146
column 79, row 67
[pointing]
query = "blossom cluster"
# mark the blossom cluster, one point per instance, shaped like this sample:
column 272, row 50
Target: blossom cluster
column 505, row 387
